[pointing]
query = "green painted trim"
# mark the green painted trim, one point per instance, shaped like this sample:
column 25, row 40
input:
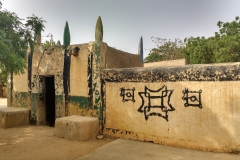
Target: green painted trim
column 21, row 98
column 81, row 101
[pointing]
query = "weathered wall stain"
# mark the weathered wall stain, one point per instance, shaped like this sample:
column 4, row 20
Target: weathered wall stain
column 23, row 97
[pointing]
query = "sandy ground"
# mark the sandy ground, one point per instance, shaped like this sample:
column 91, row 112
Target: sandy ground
column 39, row 143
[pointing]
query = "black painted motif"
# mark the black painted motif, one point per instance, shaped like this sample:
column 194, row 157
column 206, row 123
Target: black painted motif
column 127, row 94
column 161, row 98
column 192, row 98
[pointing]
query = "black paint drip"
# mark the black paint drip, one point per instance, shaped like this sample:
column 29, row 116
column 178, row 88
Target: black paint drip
column 30, row 72
column 66, row 77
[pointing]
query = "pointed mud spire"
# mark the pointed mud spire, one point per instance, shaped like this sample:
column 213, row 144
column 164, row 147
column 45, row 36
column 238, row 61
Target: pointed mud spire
column 140, row 49
column 58, row 43
column 66, row 36
column 99, row 30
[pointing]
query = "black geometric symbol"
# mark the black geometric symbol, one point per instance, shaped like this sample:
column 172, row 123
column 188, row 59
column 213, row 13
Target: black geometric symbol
column 192, row 98
column 127, row 94
column 158, row 102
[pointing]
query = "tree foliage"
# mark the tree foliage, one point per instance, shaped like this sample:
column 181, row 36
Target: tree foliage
column 165, row 50
column 47, row 44
column 223, row 47
column 15, row 39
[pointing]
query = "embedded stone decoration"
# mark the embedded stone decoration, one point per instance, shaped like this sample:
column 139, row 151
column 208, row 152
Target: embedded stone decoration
column 76, row 127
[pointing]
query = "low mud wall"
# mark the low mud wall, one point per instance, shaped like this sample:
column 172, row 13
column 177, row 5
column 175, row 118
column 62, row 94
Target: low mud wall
column 191, row 106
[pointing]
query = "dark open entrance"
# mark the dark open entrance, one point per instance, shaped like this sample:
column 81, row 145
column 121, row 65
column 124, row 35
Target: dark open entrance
column 50, row 101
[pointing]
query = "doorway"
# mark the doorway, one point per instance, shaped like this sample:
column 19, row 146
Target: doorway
column 50, row 101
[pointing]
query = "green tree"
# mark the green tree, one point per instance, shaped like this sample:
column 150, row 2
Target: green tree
column 34, row 27
column 15, row 39
column 13, row 44
column 223, row 47
column 165, row 50
column 199, row 50
column 47, row 44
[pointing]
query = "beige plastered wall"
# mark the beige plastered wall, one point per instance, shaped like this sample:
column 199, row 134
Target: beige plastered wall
column 215, row 127
column 78, row 72
column 20, row 82
column 79, row 78
column 20, row 95
column 178, row 62
column 114, row 58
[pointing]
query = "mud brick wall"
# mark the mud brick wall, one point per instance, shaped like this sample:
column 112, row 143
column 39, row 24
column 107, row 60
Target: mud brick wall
column 177, row 62
column 191, row 106
column 114, row 58
column 80, row 82
column 49, row 62
column 20, row 91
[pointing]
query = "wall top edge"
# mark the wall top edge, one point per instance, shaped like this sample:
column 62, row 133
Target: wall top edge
column 197, row 72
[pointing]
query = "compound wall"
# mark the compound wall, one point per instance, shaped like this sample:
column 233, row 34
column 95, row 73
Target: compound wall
column 192, row 106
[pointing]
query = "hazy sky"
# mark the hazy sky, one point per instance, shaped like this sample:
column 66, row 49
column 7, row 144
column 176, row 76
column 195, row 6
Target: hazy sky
column 125, row 21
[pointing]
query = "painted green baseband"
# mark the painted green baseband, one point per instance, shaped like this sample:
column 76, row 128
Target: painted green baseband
column 81, row 101
column 21, row 98
column 59, row 103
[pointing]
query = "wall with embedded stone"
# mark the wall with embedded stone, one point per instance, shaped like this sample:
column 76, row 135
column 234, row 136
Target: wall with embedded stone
column 191, row 106
column 46, row 63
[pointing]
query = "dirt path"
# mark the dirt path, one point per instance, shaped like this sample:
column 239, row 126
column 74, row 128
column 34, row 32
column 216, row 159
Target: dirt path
column 39, row 143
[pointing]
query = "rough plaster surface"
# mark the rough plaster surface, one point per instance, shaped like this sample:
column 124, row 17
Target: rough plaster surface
column 23, row 97
column 47, row 62
column 78, row 72
column 213, row 126
column 76, row 127
column 115, row 58
column 178, row 62
column 13, row 117
column 20, row 82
